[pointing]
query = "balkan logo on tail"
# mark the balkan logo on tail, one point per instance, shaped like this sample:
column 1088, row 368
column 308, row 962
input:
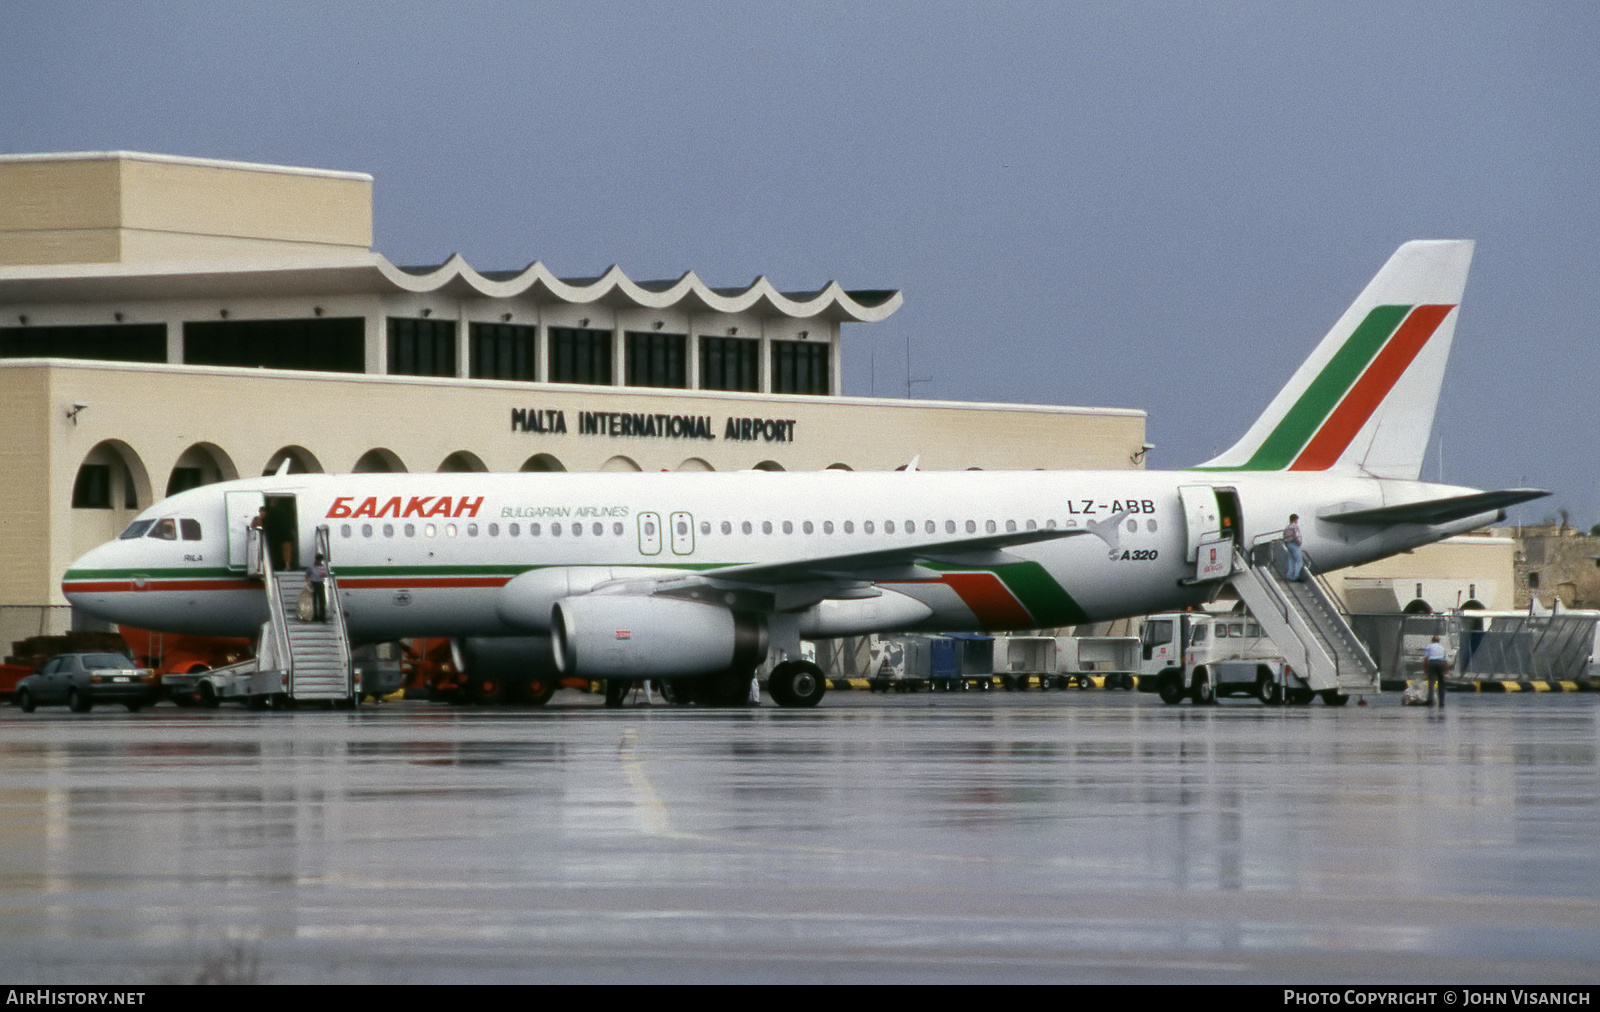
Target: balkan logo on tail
column 1364, row 401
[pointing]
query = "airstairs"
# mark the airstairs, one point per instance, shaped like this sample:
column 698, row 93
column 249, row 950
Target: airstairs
column 1304, row 619
column 314, row 657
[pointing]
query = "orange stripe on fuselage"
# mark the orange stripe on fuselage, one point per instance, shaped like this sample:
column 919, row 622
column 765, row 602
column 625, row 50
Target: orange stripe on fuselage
column 1363, row 398
column 990, row 600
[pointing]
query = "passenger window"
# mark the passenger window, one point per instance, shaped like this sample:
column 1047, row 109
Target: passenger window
column 849, row 527
column 616, row 528
column 190, row 529
column 166, row 530
column 766, row 527
column 988, row 526
column 411, row 530
column 1150, row 525
column 1011, row 526
column 344, row 530
column 746, row 528
column 577, row 530
column 599, row 529
column 430, row 530
column 494, row 530
column 827, row 526
column 888, row 527
column 472, row 530
column 1033, row 525
column 388, row 530
column 1050, row 524
column 949, row 526
column 806, row 527
column 727, row 528
column 930, row 528
column 366, row 530
column 1133, row 527
column 788, row 527
column 705, row 527
column 449, row 530
column 511, row 529
column 533, row 530
column 866, row 527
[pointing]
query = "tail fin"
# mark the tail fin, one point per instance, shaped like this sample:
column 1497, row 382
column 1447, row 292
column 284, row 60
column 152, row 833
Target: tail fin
column 1364, row 401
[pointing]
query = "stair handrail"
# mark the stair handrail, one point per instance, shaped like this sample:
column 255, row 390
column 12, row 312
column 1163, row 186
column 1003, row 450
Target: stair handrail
column 323, row 540
column 277, row 621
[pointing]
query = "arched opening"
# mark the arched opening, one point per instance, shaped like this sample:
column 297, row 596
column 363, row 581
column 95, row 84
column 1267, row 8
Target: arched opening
column 379, row 460
column 768, row 465
column 110, row 487
column 461, row 462
column 695, row 464
column 839, row 467
column 301, row 461
column 1474, row 605
column 201, row 464
column 542, row 462
column 1418, row 607
column 621, row 464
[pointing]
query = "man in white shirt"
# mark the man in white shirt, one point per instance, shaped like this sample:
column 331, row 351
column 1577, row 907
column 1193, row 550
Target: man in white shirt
column 1435, row 665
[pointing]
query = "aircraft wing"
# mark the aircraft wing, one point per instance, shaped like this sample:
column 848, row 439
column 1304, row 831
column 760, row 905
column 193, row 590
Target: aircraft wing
column 1437, row 511
column 985, row 550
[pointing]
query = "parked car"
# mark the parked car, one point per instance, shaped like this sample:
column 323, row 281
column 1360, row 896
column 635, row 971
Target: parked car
column 82, row 680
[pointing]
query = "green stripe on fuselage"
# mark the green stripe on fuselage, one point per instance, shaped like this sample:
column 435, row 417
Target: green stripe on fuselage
column 1046, row 600
column 1278, row 450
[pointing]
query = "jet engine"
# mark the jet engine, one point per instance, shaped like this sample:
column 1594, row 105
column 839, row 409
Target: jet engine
column 631, row 636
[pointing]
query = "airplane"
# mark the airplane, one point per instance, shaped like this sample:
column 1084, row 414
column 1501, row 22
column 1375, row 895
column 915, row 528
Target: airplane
column 692, row 578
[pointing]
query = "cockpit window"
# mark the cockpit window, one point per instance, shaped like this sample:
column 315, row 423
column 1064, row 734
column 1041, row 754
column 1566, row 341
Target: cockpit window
column 136, row 530
column 166, row 529
column 190, row 529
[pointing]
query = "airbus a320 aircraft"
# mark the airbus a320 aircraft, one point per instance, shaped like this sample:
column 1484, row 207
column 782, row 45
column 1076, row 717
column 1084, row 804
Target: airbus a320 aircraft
column 680, row 576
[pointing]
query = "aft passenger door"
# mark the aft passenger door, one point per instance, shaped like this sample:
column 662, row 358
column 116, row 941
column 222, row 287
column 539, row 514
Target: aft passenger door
column 241, row 508
column 682, row 533
column 1201, row 517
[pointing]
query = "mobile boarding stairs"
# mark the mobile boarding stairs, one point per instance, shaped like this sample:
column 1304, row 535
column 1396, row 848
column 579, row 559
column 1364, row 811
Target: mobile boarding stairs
column 1303, row 617
column 296, row 661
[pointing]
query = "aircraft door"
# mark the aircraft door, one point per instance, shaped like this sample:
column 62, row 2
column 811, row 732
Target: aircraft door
column 241, row 508
column 682, row 533
column 1201, row 516
column 649, row 533
column 1232, row 514
column 282, row 531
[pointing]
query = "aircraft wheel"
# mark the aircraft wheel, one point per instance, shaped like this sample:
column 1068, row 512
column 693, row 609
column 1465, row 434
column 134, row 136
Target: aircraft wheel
column 25, row 701
column 672, row 692
column 79, row 701
column 797, row 683
column 616, row 690
column 1333, row 697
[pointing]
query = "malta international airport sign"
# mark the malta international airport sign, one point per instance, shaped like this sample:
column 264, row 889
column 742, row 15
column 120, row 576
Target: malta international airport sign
column 649, row 425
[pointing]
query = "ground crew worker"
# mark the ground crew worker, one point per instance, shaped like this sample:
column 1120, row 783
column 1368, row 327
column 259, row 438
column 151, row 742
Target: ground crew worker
column 1434, row 666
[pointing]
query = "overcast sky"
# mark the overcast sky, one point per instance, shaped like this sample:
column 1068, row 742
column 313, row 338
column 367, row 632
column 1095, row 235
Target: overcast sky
column 1161, row 206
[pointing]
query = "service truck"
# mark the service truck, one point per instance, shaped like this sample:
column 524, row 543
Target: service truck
column 1205, row 655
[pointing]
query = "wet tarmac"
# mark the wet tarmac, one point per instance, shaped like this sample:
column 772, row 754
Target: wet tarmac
column 1064, row 836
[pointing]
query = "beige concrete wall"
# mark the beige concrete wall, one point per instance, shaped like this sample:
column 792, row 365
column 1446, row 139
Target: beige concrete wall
column 28, row 495
column 154, row 414
column 1451, row 572
column 119, row 209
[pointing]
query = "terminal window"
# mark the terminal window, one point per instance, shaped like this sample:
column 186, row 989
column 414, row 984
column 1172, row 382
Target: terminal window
column 657, row 360
column 128, row 342
column 730, row 363
column 503, row 351
column 92, row 488
column 799, row 367
column 422, row 347
column 323, row 345
column 578, row 355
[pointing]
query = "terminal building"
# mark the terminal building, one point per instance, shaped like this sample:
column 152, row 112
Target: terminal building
column 168, row 322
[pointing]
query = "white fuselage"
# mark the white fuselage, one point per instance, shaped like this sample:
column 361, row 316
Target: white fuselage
column 429, row 554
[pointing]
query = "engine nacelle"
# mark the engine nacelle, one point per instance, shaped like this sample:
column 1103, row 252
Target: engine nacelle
column 628, row 636
column 507, row 659
column 526, row 600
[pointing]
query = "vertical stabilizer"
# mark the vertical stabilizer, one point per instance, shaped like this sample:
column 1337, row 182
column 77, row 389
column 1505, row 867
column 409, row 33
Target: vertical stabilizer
column 1365, row 399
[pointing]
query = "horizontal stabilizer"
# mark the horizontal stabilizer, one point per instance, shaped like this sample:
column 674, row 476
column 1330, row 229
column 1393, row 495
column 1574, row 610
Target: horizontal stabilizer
column 1438, row 511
